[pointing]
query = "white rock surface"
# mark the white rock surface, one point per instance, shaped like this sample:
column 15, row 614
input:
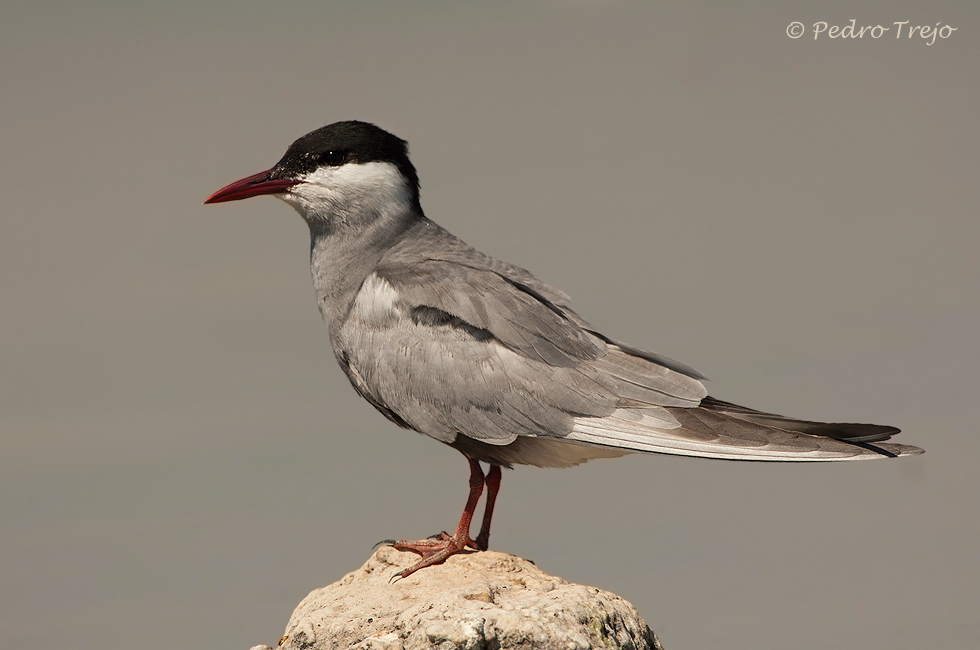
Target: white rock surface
column 474, row 601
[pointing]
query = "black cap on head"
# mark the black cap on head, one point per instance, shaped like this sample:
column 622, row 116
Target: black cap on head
column 341, row 143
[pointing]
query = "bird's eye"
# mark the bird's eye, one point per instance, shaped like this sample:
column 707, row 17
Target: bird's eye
column 332, row 158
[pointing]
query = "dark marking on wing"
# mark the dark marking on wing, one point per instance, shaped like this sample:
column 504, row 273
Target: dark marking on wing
column 433, row 317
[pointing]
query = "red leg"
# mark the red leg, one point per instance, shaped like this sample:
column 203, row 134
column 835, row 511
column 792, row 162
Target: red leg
column 493, row 485
column 435, row 551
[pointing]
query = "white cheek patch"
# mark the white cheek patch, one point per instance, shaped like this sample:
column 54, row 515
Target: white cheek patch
column 378, row 185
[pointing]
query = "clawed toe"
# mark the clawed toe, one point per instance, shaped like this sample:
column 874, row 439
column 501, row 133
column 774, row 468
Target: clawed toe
column 433, row 551
column 431, row 546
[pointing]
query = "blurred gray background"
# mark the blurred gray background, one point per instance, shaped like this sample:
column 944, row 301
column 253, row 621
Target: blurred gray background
column 181, row 460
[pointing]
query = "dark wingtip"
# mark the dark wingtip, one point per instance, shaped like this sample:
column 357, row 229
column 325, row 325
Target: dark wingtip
column 890, row 450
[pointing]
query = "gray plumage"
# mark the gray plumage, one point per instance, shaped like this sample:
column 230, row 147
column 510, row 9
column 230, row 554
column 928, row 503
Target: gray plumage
column 472, row 352
column 481, row 355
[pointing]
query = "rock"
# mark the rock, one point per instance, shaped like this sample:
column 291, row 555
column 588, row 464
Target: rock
column 473, row 601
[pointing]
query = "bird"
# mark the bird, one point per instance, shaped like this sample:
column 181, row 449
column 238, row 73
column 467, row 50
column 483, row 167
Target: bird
column 482, row 356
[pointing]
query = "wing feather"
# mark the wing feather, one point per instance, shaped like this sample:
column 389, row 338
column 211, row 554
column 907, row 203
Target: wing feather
column 452, row 349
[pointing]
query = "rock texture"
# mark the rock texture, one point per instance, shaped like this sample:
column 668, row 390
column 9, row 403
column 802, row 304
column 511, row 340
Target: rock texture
column 474, row 601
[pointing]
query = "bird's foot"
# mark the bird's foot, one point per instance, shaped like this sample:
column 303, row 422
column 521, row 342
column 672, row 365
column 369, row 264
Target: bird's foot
column 482, row 542
column 479, row 544
column 433, row 550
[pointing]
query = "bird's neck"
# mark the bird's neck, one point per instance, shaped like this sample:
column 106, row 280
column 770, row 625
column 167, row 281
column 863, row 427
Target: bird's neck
column 341, row 258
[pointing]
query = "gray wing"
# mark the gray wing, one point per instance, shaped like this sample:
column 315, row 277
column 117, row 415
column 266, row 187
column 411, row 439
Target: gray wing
column 447, row 348
column 509, row 311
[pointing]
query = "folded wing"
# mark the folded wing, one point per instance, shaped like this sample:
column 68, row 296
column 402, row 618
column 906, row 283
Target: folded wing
column 452, row 349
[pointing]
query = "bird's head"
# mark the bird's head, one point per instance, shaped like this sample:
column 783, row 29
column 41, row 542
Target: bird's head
column 342, row 171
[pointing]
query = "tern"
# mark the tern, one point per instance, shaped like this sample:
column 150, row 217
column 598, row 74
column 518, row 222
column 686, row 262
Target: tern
column 484, row 357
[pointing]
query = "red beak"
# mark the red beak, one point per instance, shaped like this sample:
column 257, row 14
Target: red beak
column 252, row 186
